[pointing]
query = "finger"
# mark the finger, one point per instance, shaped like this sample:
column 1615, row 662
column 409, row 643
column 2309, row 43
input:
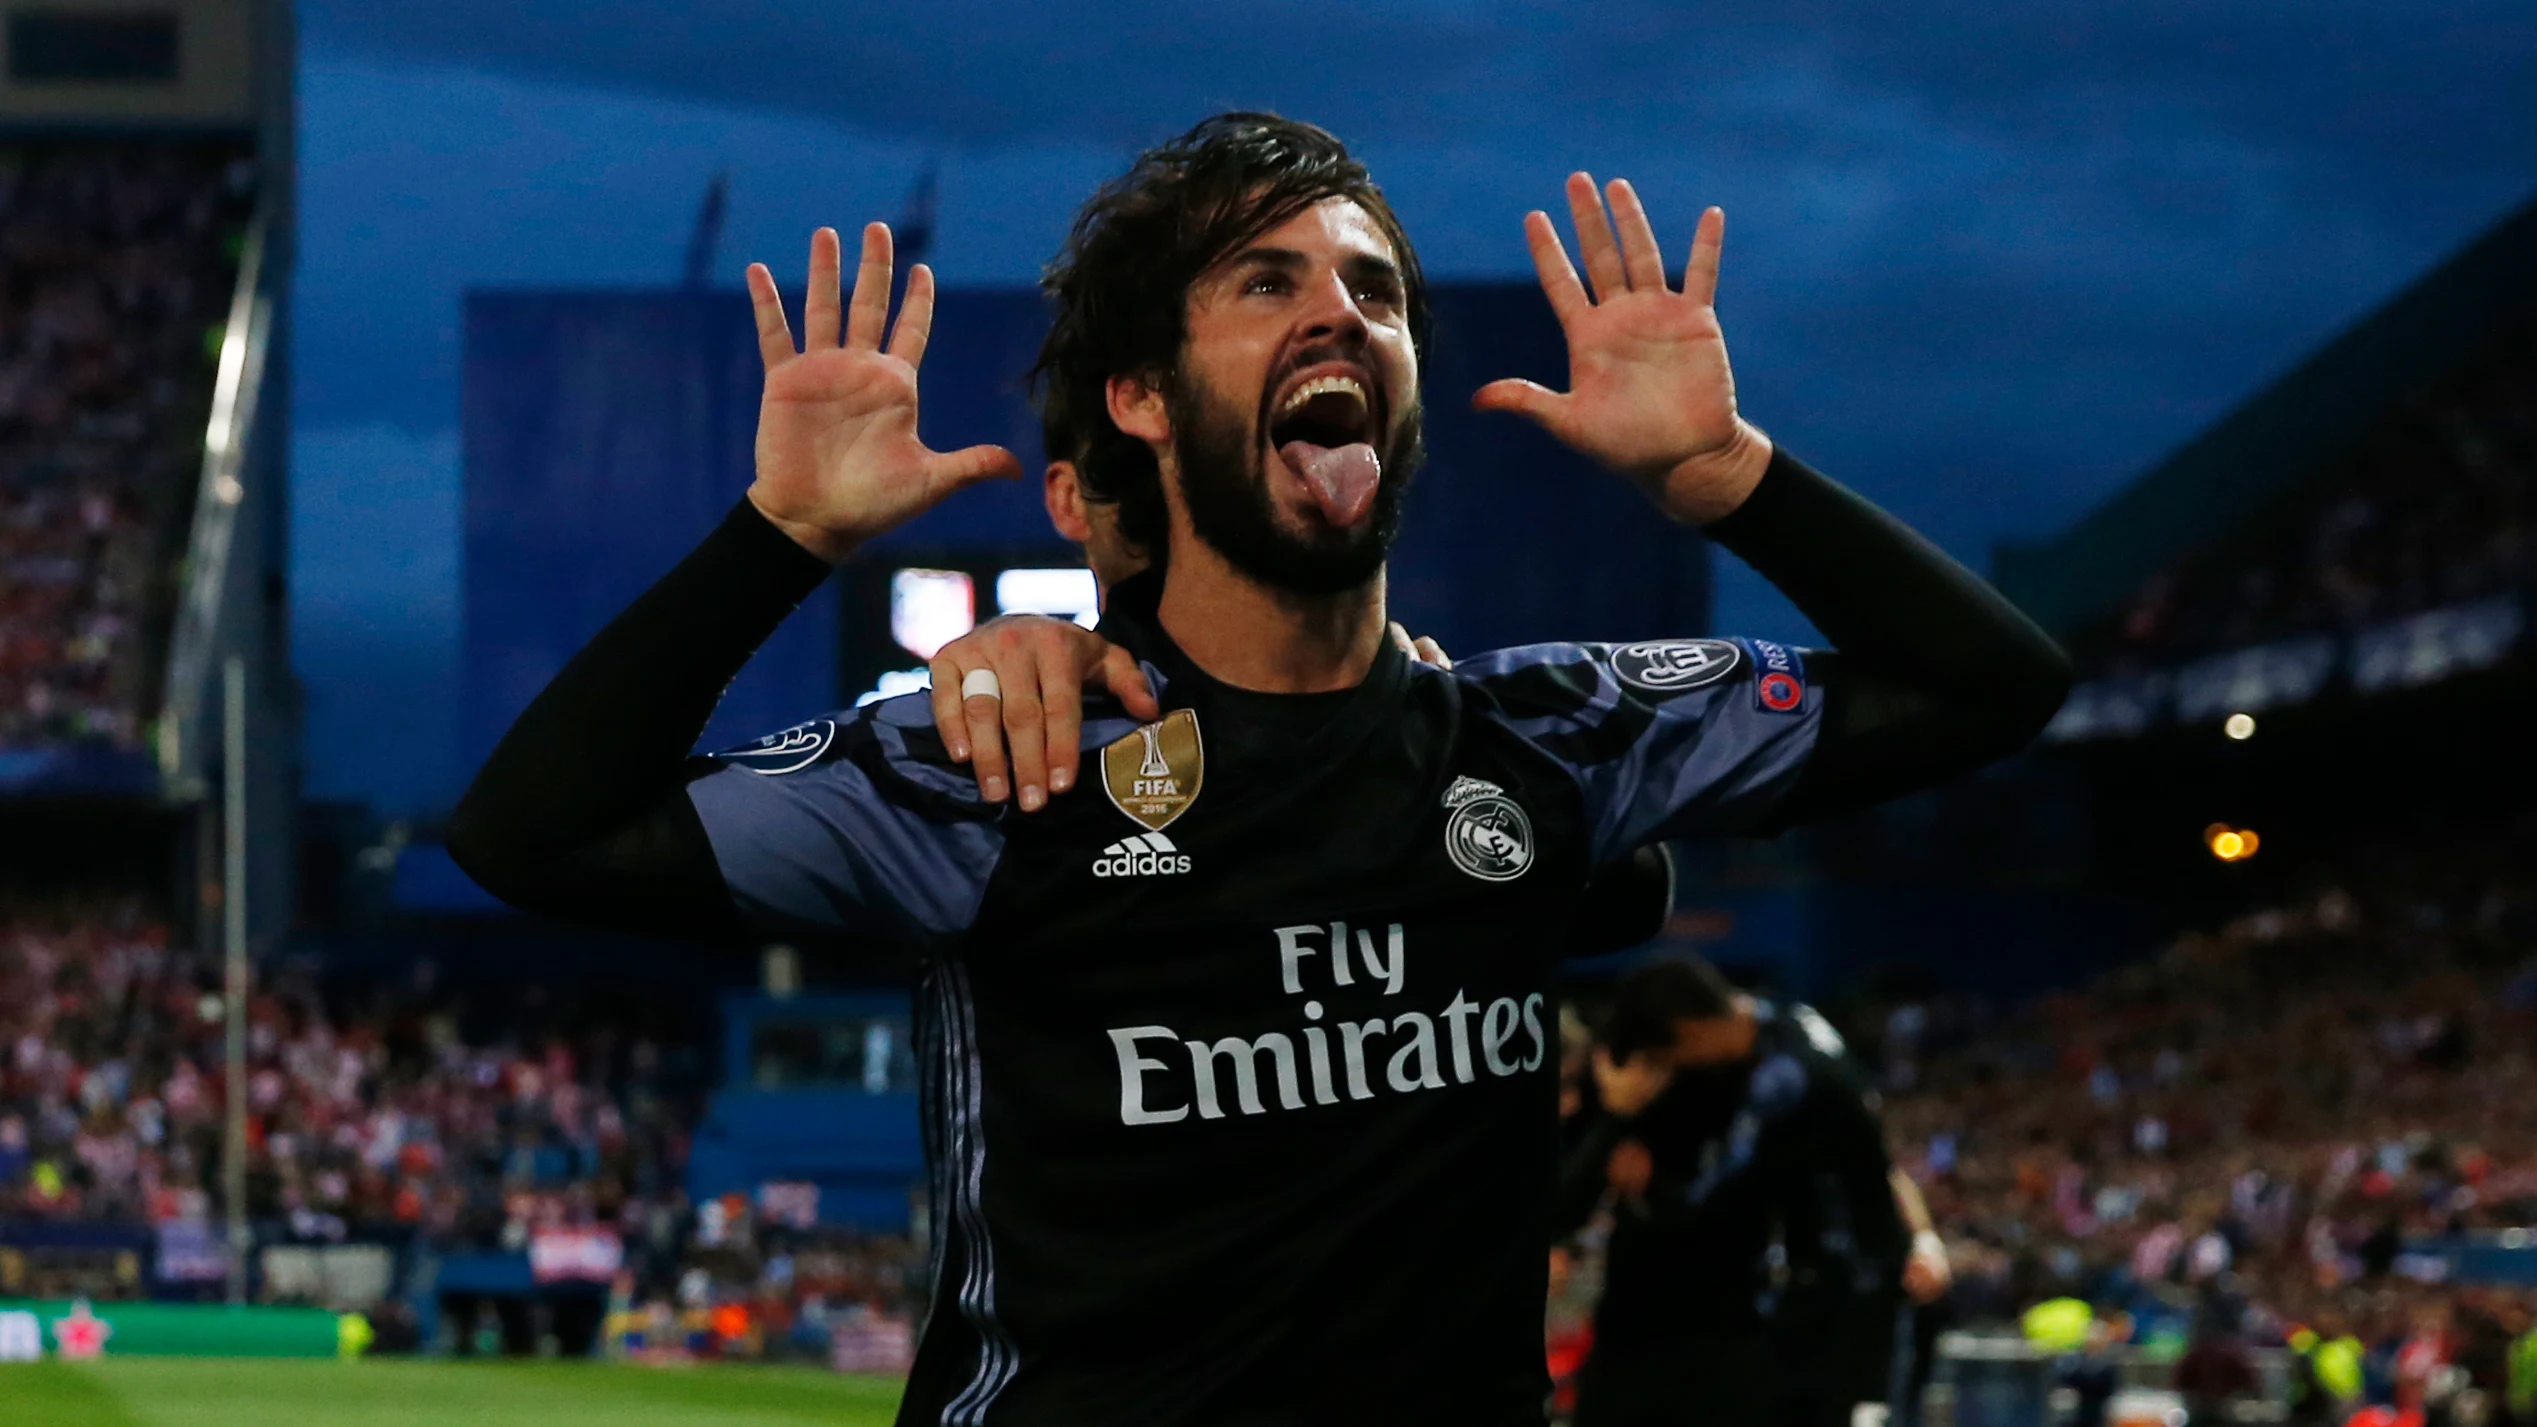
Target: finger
column 916, row 317
column 1125, row 679
column 950, row 470
column 869, row 312
column 1550, row 262
column 1434, row 653
column 1594, row 239
column 819, row 304
column 985, row 717
column 1061, row 691
column 1026, row 727
column 949, row 721
column 1700, row 274
column 775, row 339
column 1524, row 398
column 1640, row 256
column 1400, row 639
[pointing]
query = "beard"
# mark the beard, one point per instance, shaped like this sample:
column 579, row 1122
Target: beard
column 1224, row 481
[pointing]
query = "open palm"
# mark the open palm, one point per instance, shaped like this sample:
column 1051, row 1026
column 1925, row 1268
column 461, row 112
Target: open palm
column 838, row 457
column 1651, row 395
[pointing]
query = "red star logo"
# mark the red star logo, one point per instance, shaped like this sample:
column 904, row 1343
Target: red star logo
column 82, row 1335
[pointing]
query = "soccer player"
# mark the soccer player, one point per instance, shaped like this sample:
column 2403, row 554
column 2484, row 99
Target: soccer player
column 1626, row 903
column 1243, row 1060
column 1760, row 1250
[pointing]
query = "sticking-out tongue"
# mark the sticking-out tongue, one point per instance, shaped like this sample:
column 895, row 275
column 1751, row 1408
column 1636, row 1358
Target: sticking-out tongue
column 1342, row 478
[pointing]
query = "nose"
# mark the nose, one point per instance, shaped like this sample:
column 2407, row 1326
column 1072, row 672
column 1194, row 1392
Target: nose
column 1332, row 314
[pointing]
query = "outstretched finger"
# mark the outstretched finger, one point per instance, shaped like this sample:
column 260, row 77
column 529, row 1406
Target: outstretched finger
column 984, row 715
column 1639, row 253
column 1700, row 274
column 869, row 312
column 1401, row 639
column 775, row 340
column 1026, row 730
column 951, row 470
column 916, row 317
column 950, row 723
column 1594, row 239
column 819, row 303
column 1061, row 691
column 1125, row 679
column 1550, row 262
column 1524, row 398
column 1432, row 653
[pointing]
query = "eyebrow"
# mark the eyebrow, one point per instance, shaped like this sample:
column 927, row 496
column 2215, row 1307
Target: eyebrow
column 1356, row 265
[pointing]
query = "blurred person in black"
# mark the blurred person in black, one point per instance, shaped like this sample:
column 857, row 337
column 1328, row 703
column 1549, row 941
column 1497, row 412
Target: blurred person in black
column 1758, row 1254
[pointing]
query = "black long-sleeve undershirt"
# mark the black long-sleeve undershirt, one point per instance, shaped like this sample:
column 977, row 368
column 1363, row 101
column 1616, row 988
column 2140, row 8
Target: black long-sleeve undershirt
column 581, row 811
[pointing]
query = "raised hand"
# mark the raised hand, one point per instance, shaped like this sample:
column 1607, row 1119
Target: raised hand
column 837, row 455
column 1651, row 395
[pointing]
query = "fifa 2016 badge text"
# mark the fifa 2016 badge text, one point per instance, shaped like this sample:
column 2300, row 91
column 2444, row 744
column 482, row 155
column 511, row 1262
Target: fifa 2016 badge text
column 1165, row 1079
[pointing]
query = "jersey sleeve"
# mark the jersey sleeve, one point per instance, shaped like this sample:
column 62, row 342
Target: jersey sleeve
column 1672, row 738
column 853, row 821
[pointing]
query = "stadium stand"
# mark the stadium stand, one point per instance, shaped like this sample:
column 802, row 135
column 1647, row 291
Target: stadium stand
column 399, row 1117
column 117, row 260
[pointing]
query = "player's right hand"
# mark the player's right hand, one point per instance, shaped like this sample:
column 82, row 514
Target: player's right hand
column 838, row 459
column 1041, row 665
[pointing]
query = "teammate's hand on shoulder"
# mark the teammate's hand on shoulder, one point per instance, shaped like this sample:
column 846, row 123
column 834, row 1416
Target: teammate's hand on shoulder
column 1629, row 1086
column 1651, row 395
column 1024, row 712
column 838, row 459
column 1422, row 649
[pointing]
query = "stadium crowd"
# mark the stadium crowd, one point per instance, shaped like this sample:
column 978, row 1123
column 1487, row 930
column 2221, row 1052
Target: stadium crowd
column 2437, row 508
column 2257, row 1135
column 116, row 265
column 381, row 1124
column 374, row 1118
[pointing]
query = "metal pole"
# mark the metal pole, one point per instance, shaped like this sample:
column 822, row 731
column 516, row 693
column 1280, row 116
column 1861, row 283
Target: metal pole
column 233, row 905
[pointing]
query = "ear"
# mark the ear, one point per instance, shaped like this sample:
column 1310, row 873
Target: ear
column 1137, row 408
column 1063, row 492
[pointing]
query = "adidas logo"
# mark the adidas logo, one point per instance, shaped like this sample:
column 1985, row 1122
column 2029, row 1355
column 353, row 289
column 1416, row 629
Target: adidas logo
column 1148, row 855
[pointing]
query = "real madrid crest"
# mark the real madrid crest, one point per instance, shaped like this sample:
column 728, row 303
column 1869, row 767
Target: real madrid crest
column 1486, row 833
column 1154, row 774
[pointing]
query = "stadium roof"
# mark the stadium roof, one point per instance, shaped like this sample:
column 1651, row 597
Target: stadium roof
column 2281, row 436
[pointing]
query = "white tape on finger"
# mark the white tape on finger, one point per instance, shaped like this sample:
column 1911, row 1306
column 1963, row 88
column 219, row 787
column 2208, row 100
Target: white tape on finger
column 981, row 684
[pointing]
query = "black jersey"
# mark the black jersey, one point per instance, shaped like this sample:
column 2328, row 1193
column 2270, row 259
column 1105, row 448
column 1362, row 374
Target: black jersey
column 1243, row 1076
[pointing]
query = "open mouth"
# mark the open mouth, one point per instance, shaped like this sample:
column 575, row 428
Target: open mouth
column 1323, row 426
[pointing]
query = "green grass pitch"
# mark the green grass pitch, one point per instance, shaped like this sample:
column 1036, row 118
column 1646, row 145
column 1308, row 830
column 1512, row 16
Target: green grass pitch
column 239, row 1392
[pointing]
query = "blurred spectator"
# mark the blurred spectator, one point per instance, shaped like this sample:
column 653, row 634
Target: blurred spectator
column 2435, row 507
column 116, row 265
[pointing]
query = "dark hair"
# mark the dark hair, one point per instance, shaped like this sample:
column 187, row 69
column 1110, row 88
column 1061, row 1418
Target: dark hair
column 1061, row 435
column 1120, row 284
column 1651, row 998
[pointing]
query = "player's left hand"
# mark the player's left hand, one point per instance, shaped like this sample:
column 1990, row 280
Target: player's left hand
column 1651, row 395
column 1033, row 731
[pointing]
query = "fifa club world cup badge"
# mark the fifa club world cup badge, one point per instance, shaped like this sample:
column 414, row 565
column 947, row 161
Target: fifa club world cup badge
column 1154, row 774
column 1486, row 834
